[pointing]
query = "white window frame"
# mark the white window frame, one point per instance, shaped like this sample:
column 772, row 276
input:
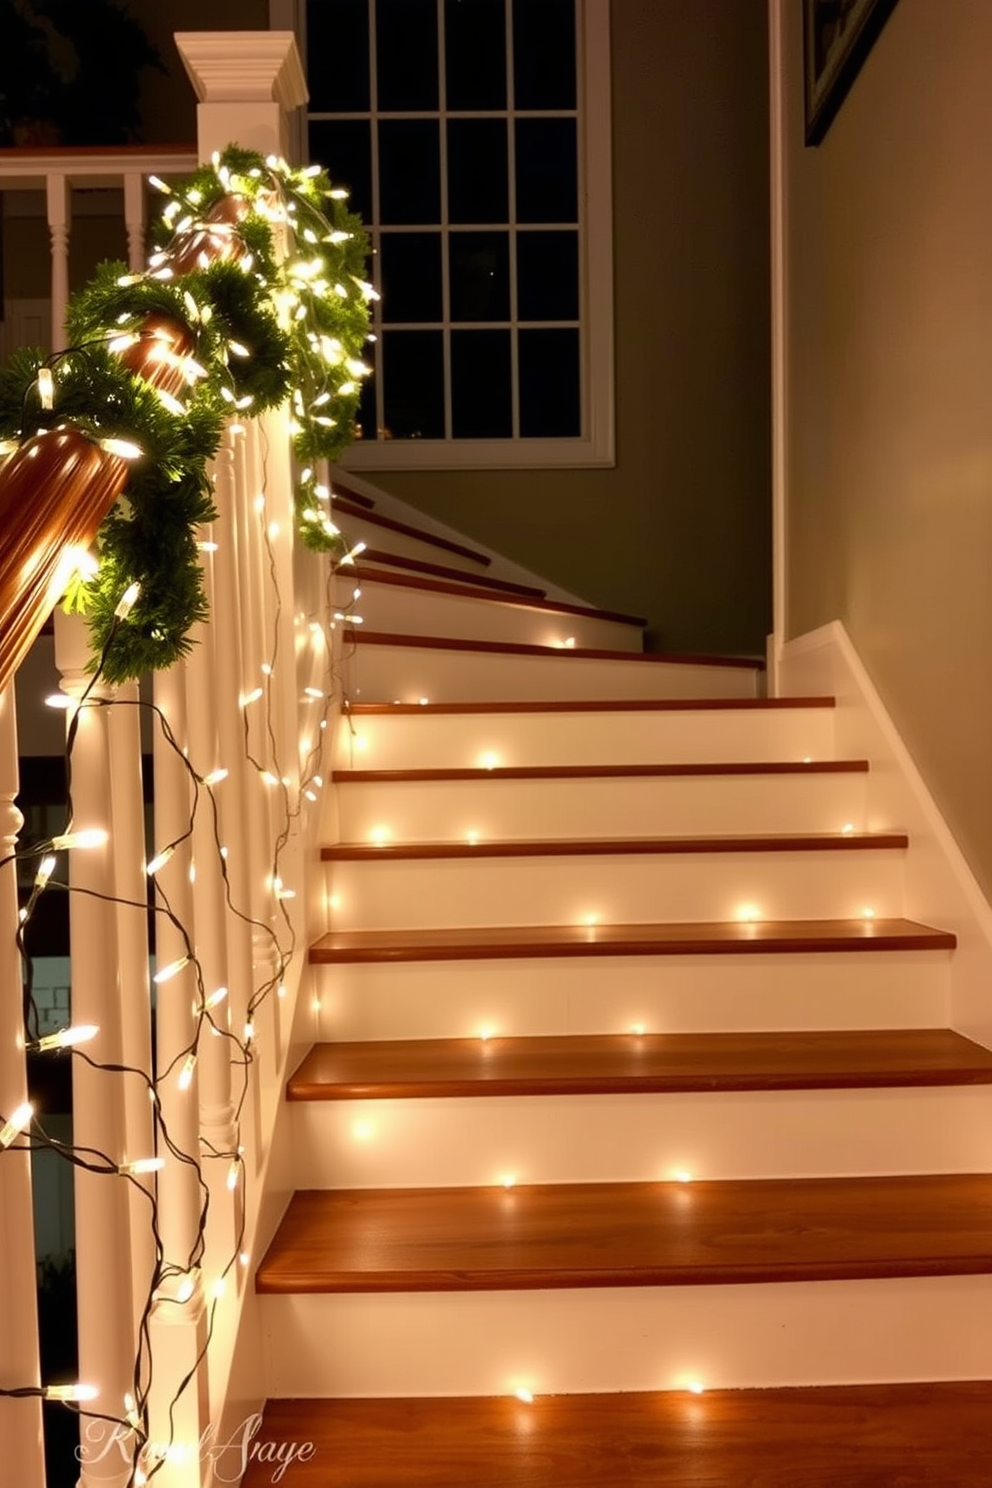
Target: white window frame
column 596, row 446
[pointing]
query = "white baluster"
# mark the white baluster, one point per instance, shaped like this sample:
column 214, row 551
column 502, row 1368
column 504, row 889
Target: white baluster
column 217, row 1125
column 134, row 220
column 20, row 1420
column 57, row 194
column 178, row 1321
column 233, row 801
column 131, row 887
column 103, row 1255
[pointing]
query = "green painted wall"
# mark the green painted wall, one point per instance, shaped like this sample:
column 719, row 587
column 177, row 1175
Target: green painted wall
column 679, row 531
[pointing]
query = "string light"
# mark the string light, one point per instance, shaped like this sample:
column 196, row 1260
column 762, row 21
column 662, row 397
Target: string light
column 142, row 1165
column 168, row 972
column 78, row 1393
column 15, row 1123
column 87, row 837
column 65, row 1038
column 160, row 860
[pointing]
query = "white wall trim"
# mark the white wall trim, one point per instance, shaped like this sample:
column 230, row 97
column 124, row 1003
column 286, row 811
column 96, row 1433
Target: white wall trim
column 779, row 339
column 940, row 888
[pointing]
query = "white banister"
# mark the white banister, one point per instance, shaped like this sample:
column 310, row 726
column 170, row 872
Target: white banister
column 20, row 1420
column 105, row 1295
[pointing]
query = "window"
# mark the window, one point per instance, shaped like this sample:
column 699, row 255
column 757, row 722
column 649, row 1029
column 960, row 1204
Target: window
column 474, row 138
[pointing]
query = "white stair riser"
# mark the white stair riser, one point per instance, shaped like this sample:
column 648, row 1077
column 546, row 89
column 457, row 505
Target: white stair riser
column 393, row 607
column 623, row 890
column 663, row 1338
column 422, row 740
column 613, row 994
column 598, row 1138
column 426, row 811
column 405, row 674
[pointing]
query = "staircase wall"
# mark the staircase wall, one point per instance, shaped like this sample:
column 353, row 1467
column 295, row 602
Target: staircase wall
column 939, row 886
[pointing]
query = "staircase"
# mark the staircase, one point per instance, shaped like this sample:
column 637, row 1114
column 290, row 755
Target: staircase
column 634, row 1146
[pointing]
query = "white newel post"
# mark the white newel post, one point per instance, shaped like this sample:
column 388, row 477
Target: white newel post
column 247, row 84
column 103, row 1252
column 20, row 1420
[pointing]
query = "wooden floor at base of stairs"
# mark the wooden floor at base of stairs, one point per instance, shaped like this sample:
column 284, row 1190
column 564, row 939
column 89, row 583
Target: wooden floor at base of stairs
column 625, row 1063
column 841, row 1436
column 707, row 1232
column 686, row 938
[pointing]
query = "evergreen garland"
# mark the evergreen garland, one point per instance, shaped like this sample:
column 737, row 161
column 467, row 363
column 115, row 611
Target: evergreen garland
column 263, row 328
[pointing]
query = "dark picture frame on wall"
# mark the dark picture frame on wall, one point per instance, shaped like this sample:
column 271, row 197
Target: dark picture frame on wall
column 837, row 37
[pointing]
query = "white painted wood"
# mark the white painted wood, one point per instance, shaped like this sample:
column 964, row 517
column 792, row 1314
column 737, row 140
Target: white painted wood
column 603, row 1138
column 613, row 994
column 20, row 1420
column 493, row 1343
column 939, row 883
column 403, row 741
column 427, row 811
column 392, row 607
column 617, row 890
column 385, row 674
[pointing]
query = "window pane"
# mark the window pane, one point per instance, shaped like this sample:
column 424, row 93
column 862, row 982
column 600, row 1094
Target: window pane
column 544, row 54
column 409, row 171
column 345, row 152
column 481, row 390
column 406, row 54
column 477, row 171
column 475, row 54
column 411, row 276
column 365, row 419
column 547, row 189
column 549, row 384
column 548, row 275
column 479, row 274
column 413, row 384
column 335, row 29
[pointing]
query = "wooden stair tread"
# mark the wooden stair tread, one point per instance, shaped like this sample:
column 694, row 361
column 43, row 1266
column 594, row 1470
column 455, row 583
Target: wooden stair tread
column 602, row 772
column 629, row 1063
column 362, row 637
column 498, row 942
column 569, row 847
column 920, row 1435
column 465, row 588
column 579, row 705
column 444, row 571
column 711, row 1232
column 349, row 508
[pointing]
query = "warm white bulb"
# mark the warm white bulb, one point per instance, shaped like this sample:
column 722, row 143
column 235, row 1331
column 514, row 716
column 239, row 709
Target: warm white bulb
column 66, row 1038
column 88, row 837
column 168, row 972
column 16, row 1122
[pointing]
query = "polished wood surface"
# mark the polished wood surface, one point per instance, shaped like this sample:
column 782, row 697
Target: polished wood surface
column 348, row 507
column 629, row 1063
column 842, row 1436
column 537, row 1236
column 444, row 571
column 498, row 942
column 605, row 772
column 521, row 648
column 589, row 847
column 465, row 589
column 579, row 705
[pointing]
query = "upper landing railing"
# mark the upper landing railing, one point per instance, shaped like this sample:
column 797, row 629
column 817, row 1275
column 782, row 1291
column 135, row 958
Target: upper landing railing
column 72, row 179
column 241, row 730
